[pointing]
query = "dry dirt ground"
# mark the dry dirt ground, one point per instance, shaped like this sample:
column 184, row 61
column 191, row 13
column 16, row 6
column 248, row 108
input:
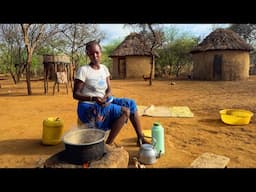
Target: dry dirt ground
column 21, row 118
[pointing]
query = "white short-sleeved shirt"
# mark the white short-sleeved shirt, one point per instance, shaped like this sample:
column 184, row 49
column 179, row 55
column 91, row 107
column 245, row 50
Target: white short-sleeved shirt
column 94, row 79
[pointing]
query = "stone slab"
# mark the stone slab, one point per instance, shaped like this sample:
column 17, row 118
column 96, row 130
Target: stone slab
column 210, row 160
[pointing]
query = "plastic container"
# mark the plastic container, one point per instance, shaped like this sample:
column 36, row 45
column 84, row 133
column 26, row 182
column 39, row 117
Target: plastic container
column 157, row 132
column 52, row 131
column 236, row 116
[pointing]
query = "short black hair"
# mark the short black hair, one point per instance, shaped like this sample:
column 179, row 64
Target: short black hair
column 91, row 43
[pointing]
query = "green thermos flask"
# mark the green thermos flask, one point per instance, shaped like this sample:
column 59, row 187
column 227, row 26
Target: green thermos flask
column 158, row 137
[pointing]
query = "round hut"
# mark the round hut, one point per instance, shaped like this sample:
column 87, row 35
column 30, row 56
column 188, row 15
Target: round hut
column 222, row 55
column 132, row 58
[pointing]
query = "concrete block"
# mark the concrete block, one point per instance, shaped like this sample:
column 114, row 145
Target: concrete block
column 210, row 160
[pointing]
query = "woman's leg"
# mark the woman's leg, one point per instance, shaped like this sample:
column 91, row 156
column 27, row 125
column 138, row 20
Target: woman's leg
column 135, row 120
column 118, row 124
column 134, row 117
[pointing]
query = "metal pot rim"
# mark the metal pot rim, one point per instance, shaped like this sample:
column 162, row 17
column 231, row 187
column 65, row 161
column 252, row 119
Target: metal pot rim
column 83, row 130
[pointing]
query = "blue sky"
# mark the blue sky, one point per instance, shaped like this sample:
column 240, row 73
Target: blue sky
column 116, row 31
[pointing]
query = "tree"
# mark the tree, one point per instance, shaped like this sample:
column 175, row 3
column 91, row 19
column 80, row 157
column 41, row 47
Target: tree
column 12, row 49
column 152, row 39
column 165, row 60
column 156, row 41
column 181, row 53
column 174, row 54
column 33, row 35
column 107, row 50
column 246, row 31
column 75, row 36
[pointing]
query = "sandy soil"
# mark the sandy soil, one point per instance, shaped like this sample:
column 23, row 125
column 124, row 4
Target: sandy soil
column 21, row 118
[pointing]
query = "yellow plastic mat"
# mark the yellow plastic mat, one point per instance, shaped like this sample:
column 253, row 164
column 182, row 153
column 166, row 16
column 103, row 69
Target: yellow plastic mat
column 181, row 111
column 147, row 132
column 165, row 111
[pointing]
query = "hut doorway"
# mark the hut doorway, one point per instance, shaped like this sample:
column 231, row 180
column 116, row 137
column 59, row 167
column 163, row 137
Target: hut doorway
column 122, row 68
column 217, row 67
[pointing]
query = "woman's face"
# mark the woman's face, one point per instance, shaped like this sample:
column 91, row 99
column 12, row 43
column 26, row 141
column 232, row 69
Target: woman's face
column 94, row 53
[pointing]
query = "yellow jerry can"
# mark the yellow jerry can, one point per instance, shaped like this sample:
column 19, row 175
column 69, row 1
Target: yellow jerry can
column 52, row 130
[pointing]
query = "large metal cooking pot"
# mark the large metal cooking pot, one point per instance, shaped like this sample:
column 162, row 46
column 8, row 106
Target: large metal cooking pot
column 84, row 145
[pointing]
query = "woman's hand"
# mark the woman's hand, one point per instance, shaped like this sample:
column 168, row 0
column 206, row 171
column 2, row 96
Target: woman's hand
column 100, row 101
column 106, row 97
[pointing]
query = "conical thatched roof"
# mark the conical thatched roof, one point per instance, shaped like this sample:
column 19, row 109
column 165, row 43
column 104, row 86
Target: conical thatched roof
column 132, row 45
column 222, row 39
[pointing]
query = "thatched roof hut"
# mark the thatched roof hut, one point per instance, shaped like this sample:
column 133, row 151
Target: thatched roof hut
column 132, row 58
column 133, row 45
column 222, row 55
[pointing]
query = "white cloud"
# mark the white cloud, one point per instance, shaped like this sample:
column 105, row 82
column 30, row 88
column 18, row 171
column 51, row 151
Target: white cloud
column 114, row 31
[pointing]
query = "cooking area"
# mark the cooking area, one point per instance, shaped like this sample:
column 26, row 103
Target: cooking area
column 83, row 147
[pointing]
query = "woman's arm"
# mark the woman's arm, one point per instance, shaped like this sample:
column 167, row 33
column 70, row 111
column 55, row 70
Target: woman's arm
column 108, row 90
column 77, row 92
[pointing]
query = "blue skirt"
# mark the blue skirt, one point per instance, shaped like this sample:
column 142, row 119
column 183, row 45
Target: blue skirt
column 96, row 116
